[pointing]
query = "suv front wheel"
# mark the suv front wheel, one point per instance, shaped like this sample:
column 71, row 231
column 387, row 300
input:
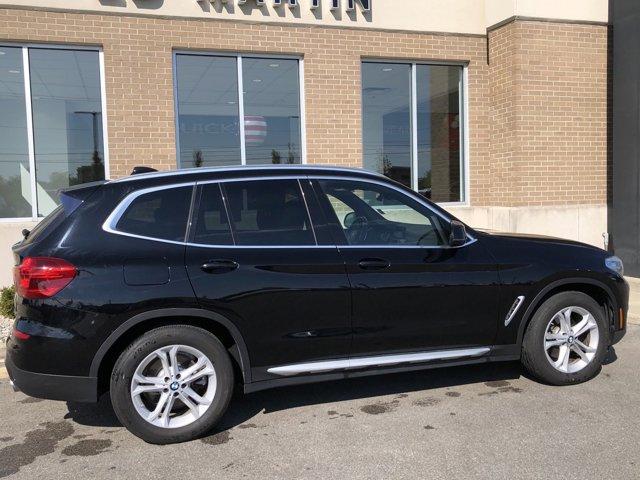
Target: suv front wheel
column 566, row 340
column 172, row 384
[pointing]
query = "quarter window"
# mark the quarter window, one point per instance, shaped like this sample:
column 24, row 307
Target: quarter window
column 371, row 214
column 160, row 214
column 62, row 145
column 268, row 212
column 220, row 123
column 415, row 139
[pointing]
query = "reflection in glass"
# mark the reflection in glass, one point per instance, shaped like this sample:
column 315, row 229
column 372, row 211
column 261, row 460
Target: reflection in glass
column 67, row 121
column 271, row 110
column 386, row 119
column 15, row 186
column 207, row 110
column 438, row 91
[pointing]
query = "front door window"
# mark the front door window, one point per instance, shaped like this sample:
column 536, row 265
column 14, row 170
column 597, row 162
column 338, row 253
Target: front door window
column 372, row 214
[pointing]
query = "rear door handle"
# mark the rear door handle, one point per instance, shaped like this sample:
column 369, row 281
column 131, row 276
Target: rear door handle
column 219, row 266
column 373, row 264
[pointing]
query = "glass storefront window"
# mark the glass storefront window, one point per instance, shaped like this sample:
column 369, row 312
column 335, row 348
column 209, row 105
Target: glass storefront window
column 271, row 110
column 15, row 186
column 386, row 119
column 208, row 125
column 67, row 121
column 439, row 160
column 210, row 106
column 60, row 112
column 412, row 124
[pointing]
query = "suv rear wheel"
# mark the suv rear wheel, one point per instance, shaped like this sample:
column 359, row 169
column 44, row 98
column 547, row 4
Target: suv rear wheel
column 172, row 384
column 567, row 339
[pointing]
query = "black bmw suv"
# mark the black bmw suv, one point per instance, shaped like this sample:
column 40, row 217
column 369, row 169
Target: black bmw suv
column 167, row 289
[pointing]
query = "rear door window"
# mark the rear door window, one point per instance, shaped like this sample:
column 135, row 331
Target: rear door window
column 211, row 225
column 161, row 214
column 268, row 212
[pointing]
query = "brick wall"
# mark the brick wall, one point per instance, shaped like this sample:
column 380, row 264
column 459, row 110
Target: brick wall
column 537, row 113
column 548, row 111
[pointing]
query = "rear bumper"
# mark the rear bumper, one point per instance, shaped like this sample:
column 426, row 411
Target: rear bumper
column 52, row 387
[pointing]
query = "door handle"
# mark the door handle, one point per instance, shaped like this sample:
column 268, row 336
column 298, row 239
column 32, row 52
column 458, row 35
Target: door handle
column 219, row 266
column 373, row 264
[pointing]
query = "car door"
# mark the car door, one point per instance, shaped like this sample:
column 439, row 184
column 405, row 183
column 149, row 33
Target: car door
column 254, row 257
column 411, row 291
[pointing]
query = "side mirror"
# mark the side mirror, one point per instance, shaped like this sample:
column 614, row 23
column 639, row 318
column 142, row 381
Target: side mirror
column 349, row 218
column 458, row 235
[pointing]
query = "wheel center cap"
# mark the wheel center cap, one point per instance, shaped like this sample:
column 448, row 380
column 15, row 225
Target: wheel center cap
column 570, row 340
column 174, row 386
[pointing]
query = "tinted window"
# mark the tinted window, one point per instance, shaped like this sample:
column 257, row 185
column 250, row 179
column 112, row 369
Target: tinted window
column 386, row 119
column 371, row 214
column 160, row 214
column 15, row 200
column 67, row 121
column 208, row 123
column 271, row 110
column 268, row 212
column 212, row 225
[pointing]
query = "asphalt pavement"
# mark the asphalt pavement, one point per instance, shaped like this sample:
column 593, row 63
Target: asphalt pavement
column 485, row 421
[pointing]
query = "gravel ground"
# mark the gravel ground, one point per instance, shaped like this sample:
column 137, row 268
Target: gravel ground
column 5, row 327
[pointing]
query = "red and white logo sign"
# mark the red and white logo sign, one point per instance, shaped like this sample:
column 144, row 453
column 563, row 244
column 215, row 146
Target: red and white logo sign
column 255, row 129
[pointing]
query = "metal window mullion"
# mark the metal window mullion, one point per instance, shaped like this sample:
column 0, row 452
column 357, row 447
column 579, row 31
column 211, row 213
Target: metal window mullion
column 176, row 109
column 243, row 147
column 463, row 133
column 103, row 106
column 303, row 114
column 30, row 141
column 414, row 127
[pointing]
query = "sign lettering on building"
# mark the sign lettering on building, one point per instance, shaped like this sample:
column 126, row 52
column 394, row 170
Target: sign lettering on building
column 313, row 4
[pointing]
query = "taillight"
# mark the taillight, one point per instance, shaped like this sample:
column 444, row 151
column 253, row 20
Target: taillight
column 20, row 335
column 42, row 277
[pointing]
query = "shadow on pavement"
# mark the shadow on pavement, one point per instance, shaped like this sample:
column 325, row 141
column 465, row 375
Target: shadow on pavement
column 243, row 407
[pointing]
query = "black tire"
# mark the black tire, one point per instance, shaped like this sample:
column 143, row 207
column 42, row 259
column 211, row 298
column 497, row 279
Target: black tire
column 534, row 357
column 129, row 360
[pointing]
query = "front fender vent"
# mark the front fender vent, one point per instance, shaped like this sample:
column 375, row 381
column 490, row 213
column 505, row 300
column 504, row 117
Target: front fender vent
column 513, row 310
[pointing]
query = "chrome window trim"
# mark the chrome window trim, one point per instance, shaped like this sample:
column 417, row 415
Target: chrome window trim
column 112, row 220
column 376, row 361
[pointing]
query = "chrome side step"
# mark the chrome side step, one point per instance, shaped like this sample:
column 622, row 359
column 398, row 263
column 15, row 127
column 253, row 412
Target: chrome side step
column 376, row 361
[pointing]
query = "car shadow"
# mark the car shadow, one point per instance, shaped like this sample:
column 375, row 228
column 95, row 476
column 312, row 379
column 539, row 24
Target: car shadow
column 244, row 407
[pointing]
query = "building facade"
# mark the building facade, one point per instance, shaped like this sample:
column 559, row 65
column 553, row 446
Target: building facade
column 624, row 214
column 497, row 109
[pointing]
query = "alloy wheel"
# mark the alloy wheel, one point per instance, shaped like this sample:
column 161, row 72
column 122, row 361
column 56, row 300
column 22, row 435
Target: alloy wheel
column 571, row 339
column 173, row 386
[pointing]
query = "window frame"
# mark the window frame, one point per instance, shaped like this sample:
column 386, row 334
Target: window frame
column 464, row 118
column 26, row 71
column 317, row 220
column 240, row 84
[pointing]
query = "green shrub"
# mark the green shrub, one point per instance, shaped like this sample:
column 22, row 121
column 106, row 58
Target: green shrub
column 6, row 302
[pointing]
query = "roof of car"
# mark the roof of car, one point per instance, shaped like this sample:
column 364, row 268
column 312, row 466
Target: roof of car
column 261, row 169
